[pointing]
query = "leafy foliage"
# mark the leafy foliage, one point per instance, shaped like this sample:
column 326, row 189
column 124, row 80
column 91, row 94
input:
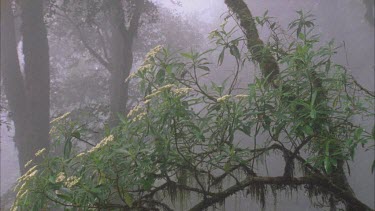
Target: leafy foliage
column 182, row 139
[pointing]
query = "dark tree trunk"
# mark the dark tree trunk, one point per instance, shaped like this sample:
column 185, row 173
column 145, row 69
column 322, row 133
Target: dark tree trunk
column 13, row 81
column 121, row 51
column 121, row 61
column 28, row 97
column 37, row 77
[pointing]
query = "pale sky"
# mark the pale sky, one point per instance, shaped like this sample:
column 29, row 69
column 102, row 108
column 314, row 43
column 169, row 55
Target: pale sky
column 207, row 10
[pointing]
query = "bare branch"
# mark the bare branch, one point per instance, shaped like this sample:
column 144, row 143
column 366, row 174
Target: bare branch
column 84, row 41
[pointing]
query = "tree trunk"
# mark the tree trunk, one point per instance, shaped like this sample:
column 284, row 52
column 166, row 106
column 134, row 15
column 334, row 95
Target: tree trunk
column 37, row 77
column 121, row 51
column 121, row 61
column 28, row 97
column 13, row 81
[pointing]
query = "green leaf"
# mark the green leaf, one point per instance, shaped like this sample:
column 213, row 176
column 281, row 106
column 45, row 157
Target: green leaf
column 235, row 52
column 65, row 197
column 273, row 26
column 313, row 114
column 169, row 69
column 308, row 130
column 67, row 148
column 148, row 182
column 327, row 160
column 221, row 57
column 160, row 76
column 187, row 55
column 204, row 68
column 76, row 134
column 128, row 199
column 358, row 133
column 313, row 98
column 227, row 166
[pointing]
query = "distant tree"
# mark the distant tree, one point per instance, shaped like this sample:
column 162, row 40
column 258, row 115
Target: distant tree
column 107, row 29
column 201, row 143
column 28, row 94
column 76, row 72
column 370, row 11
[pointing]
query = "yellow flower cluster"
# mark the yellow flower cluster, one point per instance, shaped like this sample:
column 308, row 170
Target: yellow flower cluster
column 39, row 152
column 140, row 116
column 153, row 94
column 80, row 155
column 147, row 65
column 141, row 69
column 72, row 181
column 153, row 52
column 134, row 111
column 29, row 174
column 60, row 177
column 172, row 87
column 223, row 98
column 60, row 118
column 241, row 96
column 182, row 91
column 137, row 113
column 28, row 163
column 166, row 87
column 102, row 143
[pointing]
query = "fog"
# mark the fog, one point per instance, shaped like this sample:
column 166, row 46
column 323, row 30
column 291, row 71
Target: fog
column 91, row 85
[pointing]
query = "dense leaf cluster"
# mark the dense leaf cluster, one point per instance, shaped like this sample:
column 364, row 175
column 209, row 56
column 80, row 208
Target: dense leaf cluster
column 189, row 139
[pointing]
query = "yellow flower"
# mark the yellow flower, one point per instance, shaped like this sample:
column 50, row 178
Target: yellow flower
column 135, row 110
column 28, row 163
column 80, row 155
column 241, row 96
column 223, row 98
column 40, row 152
column 166, row 87
column 72, row 181
column 60, row 118
column 153, row 52
column 102, row 143
column 32, row 174
column 60, row 177
column 152, row 95
column 140, row 116
column 182, row 91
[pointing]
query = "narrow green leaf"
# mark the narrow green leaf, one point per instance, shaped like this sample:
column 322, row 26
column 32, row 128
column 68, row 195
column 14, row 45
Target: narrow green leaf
column 221, row 57
column 128, row 199
column 327, row 162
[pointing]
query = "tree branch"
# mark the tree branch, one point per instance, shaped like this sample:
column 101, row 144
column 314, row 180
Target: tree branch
column 84, row 41
column 268, row 64
column 134, row 21
column 320, row 182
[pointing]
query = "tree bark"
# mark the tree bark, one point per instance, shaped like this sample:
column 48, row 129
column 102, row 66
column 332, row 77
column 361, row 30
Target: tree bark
column 28, row 97
column 37, row 76
column 121, row 53
column 121, row 61
column 267, row 63
column 13, row 81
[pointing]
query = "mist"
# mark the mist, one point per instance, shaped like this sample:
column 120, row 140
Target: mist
column 67, row 67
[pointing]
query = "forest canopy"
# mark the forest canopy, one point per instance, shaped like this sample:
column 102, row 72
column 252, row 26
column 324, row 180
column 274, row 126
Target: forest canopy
column 192, row 139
